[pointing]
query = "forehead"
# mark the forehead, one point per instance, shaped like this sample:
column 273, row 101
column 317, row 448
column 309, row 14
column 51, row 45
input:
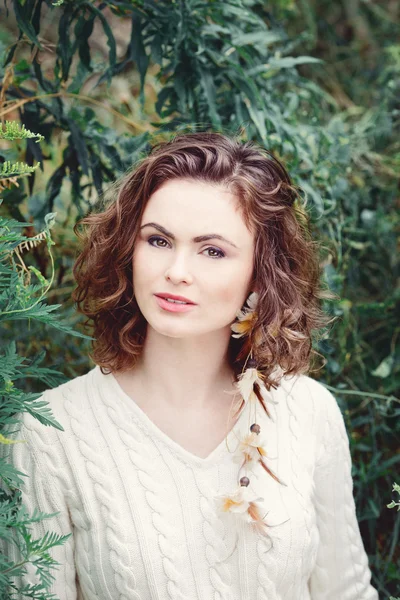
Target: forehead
column 186, row 202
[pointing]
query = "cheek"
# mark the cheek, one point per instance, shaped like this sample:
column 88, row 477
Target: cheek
column 237, row 289
column 232, row 292
column 142, row 264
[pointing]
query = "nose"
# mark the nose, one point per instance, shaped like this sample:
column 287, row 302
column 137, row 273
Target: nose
column 178, row 269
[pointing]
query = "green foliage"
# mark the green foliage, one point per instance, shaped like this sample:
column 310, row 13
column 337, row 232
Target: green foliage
column 317, row 84
column 359, row 45
column 396, row 488
column 220, row 65
column 14, row 131
column 16, row 169
column 19, row 301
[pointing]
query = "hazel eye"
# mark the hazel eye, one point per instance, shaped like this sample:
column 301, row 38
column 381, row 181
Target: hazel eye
column 156, row 238
column 220, row 253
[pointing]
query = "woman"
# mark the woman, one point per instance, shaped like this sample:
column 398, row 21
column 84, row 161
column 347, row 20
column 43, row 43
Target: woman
column 198, row 459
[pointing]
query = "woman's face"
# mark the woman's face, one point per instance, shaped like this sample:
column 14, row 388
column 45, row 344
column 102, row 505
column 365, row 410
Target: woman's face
column 213, row 274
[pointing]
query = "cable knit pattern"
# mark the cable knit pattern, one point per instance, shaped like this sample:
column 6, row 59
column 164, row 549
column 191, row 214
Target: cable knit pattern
column 157, row 496
column 107, row 503
column 142, row 513
column 267, row 559
column 217, row 552
column 302, row 449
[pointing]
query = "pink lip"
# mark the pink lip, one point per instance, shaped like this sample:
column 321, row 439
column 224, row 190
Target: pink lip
column 164, row 295
column 171, row 307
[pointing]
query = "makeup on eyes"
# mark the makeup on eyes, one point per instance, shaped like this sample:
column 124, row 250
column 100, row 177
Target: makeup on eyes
column 221, row 253
column 198, row 239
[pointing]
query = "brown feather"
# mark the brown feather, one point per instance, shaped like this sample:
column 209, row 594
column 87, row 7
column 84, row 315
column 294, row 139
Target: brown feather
column 269, row 470
column 261, row 399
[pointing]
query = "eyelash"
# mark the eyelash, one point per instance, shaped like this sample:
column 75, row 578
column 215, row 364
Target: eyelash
column 157, row 237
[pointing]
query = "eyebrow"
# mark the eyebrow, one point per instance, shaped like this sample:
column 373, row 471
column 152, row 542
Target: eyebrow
column 199, row 238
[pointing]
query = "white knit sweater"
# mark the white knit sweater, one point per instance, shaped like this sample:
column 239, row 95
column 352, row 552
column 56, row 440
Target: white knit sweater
column 142, row 515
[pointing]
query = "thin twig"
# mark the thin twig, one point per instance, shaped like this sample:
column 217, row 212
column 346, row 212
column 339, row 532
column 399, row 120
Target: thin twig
column 14, row 104
column 360, row 393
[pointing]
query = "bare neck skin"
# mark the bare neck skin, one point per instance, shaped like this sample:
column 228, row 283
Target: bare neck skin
column 183, row 374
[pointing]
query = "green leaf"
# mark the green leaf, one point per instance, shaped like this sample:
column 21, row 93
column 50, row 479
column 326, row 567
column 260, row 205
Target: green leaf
column 24, row 23
column 163, row 96
column 138, row 52
column 83, row 31
column 156, row 49
column 315, row 195
column 210, row 93
column 291, row 61
column 258, row 118
column 214, row 29
column 17, row 131
column 18, row 169
column 112, row 55
column 79, row 144
column 263, row 38
column 42, row 312
column 384, row 369
column 64, row 47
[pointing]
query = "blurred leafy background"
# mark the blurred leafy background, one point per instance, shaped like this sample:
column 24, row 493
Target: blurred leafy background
column 317, row 83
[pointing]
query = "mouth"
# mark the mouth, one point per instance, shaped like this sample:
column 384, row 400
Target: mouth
column 175, row 299
column 173, row 306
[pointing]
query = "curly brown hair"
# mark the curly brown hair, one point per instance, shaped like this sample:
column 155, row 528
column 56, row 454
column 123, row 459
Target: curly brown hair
column 286, row 273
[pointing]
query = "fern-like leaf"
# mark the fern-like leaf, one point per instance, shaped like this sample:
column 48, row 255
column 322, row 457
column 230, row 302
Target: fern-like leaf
column 18, row 169
column 17, row 131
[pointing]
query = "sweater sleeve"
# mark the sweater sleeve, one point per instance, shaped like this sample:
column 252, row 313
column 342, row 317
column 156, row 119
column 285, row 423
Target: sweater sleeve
column 39, row 458
column 341, row 569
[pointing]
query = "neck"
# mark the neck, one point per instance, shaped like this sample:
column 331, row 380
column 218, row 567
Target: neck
column 186, row 373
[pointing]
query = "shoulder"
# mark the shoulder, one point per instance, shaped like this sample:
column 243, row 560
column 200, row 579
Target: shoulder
column 310, row 395
column 77, row 385
column 41, row 436
column 313, row 412
column 53, row 404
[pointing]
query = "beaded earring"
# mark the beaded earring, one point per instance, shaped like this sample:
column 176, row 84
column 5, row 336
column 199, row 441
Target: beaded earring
column 251, row 448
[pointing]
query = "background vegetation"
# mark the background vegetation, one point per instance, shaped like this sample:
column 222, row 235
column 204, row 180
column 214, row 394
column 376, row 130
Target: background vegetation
column 315, row 82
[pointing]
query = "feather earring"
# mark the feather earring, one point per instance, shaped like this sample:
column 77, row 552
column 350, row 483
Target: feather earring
column 251, row 448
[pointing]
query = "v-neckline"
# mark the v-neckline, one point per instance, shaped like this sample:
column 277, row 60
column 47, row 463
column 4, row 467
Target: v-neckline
column 228, row 445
